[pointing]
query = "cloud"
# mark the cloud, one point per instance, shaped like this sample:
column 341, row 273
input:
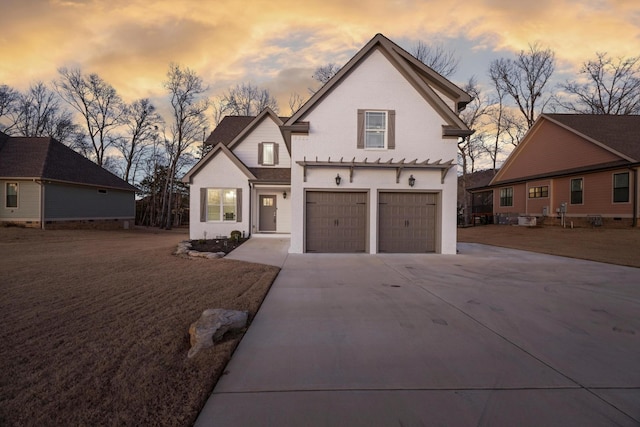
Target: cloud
column 276, row 43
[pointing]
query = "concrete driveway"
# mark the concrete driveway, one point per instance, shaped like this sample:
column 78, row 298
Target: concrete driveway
column 490, row 336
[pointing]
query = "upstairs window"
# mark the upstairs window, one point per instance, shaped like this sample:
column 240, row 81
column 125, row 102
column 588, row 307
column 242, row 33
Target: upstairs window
column 576, row 191
column 268, row 153
column 11, row 191
column 621, row 187
column 376, row 129
column 506, row 196
column 539, row 192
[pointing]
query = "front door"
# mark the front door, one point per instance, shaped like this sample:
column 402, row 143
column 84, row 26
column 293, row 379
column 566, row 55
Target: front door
column 268, row 213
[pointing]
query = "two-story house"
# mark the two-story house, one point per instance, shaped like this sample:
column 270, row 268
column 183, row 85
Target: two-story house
column 366, row 165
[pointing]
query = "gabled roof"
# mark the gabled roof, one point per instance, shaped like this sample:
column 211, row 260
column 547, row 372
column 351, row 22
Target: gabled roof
column 232, row 129
column 620, row 134
column 47, row 159
column 420, row 76
column 267, row 112
column 220, row 148
column 228, row 128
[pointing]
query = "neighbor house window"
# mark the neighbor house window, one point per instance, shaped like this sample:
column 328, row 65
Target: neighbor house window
column 376, row 129
column 268, row 153
column 539, row 192
column 12, row 195
column 621, row 187
column 221, row 204
column 576, row 191
column 506, row 196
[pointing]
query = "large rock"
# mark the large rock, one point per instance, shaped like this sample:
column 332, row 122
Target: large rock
column 212, row 325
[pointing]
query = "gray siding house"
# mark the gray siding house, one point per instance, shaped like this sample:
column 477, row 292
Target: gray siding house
column 45, row 184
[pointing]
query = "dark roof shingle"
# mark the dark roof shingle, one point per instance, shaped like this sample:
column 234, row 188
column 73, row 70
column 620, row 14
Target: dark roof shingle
column 46, row 158
column 228, row 128
column 620, row 133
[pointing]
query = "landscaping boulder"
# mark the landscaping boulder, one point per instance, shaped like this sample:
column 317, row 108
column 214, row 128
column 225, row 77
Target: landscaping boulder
column 212, row 325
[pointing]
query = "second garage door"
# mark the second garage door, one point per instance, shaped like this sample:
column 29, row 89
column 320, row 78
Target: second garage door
column 336, row 221
column 407, row 222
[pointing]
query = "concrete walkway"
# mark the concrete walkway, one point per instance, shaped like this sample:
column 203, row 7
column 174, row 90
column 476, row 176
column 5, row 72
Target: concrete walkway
column 491, row 336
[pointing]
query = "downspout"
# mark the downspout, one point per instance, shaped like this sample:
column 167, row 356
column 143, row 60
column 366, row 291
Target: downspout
column 250, row 209
column 634, row 223
column 41, row 184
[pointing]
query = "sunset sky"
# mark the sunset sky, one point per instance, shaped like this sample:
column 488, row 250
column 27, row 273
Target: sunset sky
column 277, row 44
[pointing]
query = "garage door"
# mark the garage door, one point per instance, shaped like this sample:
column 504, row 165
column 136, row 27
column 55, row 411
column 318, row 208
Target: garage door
column 336, row 222
column 407, row 222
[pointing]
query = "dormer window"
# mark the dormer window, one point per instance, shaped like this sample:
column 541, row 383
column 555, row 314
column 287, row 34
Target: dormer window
column 268, row 154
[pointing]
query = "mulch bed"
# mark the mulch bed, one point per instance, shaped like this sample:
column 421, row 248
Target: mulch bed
column 225, row 245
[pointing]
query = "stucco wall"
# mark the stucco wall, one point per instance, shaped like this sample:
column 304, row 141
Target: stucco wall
column 375, row 84
column 219, row 172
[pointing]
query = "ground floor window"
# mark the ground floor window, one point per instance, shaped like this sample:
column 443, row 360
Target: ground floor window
column 12, row 195
column 576, row 191
column 621, row 187
column 539, row 192
column 506, row 196
column 221, row 204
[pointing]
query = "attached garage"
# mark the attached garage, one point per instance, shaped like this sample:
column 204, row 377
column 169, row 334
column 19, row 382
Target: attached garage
column 407, row 222
column 336, row 221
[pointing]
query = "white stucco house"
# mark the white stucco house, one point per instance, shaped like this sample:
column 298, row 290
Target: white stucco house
column 366, row 165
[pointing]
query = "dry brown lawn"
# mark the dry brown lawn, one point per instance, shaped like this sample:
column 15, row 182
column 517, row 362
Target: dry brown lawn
column 614, row 246
column 95, row 326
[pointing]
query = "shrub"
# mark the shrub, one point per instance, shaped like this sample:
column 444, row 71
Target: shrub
column 235, row 235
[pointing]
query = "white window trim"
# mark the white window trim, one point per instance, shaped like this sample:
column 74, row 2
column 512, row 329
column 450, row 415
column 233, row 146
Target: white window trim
column 273, row 153
column 222, row 205
column 386, row 130
column 6, row 193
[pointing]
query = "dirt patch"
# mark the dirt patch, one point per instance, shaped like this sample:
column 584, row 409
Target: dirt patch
column 95, row 326
column 613, row 246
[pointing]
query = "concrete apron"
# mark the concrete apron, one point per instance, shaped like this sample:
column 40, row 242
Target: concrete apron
column 488, row 337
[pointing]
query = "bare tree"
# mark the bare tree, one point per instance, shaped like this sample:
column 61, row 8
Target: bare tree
column 469, row 148
column 324, row 73
column 295, row 102
column 437, row 57
column 245, row 99
column 189, row 105
column 524, row 79
column 8, row 96
column 38, row 112
column 141, row 121
column 612, row 87
column 97, row 102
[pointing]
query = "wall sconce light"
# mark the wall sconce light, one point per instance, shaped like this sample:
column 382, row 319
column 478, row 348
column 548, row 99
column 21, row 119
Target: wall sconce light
column 338, row 179
column 412, row 181
column 284, row 195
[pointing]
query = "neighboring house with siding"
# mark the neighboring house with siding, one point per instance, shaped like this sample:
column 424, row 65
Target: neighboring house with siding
column 45, row 184
column 573, row 168
column 368, row 164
